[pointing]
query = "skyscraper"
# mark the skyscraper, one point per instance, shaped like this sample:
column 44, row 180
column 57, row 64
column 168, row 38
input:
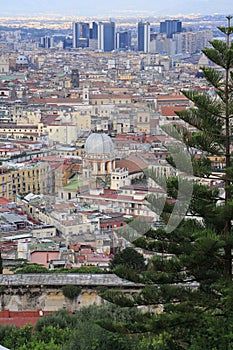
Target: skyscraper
column 46, row 42
column 94, row 31
column 170, row 27
column 123, row 40
column 81, row 34
column 106, row 36
column 144, row 36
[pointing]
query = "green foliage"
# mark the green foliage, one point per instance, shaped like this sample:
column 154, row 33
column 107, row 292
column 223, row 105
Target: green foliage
column 202, row 167
column 41, row 345
column 119, row 298
column 71, row 291
column 82, row 269
column 171, row 161
column 36, row 268
column 87, row 329
column 32, row 268
column 5, row 333
column 92, row 336
column 126, row 272
column 59, row 319
column 13, row 337
column 54, row 333
column 1, row 268
column 129, row 257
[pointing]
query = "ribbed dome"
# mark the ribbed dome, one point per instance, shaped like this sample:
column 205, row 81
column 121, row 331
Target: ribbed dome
column 99, row 144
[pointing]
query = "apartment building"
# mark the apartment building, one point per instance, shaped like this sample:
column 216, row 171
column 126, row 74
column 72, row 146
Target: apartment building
column 35, row 177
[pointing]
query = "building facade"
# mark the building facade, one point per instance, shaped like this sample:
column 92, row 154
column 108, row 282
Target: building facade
column 81, row 34
column 170, row 27
column 106, row 36
column 144, row 36
column 123, row 40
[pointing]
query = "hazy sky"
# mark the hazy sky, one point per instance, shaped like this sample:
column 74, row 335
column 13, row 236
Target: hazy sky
column 117, row 7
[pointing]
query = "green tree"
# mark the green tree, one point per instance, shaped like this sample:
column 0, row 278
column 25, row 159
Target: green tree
column 13, row 337
column 190, row 274
column 88, row 334
column 41, row 345
column 59, row 319
column 1, row 267
column 129, row 257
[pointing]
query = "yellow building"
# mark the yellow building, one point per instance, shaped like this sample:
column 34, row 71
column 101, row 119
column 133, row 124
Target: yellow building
column 20, row 131
column 23, row 179
column 34, row 178
column 217, row 162
column 5, row 183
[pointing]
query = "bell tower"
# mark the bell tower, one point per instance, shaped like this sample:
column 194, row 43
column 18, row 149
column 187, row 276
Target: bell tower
column 86, row 99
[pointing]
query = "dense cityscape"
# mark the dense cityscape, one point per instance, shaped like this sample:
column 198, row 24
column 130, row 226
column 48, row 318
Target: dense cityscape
column 90, row 110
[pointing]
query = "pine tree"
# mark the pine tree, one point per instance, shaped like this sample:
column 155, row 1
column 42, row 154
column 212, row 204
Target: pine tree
column 190, row 274
column 1, row 267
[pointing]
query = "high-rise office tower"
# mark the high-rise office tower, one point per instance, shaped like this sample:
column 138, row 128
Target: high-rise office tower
column 123, row 40
column 94, row 31
column 106, row 36
column 46, row 42
column 81, row 34
column 170, row 27
column 144, row 36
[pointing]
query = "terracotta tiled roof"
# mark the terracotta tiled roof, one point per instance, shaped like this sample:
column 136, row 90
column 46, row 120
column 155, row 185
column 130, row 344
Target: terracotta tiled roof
column 48, row 119
column 171, row 97
column 4, row 201
column 169, row 111
column 133, row 163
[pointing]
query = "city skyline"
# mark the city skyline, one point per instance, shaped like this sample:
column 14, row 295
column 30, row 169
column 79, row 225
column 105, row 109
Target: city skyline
column 121, row 7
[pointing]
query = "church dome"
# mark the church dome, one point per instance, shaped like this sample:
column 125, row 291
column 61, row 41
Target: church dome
column 99, row 144
column 21, row 59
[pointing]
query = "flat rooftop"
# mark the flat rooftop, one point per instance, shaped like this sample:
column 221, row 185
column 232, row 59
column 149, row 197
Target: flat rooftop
column 52, row 279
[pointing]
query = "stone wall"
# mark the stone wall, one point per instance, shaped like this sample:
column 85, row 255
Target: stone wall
column 44, row 291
